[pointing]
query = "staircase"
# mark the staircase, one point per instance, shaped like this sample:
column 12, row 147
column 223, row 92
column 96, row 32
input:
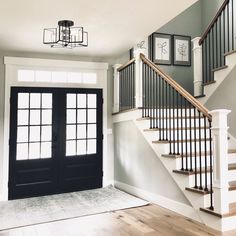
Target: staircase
column 190, row 141
column 180, row 130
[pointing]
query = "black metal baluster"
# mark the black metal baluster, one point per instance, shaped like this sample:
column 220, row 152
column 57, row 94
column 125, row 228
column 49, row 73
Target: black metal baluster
column 157, row 94
column 163, row 107
column 131, row 86
column 125, row 89
column 177, row 122
column 233, row 38
column 121, row 90
column 146, row 89
column 134, row 82
column 182, row 137
column 213, row 49
column 151, row 99
column 190, row 137
column 205, row 142
column 209, row 55
column 211, row 170
column 128, row 87
column 204, row 61
column 149, row 94
column 207, row 61
column 170, row 115
column 220, row 38
column 173, row 105
column 200, row 150
column 166, row 118
column 195, row 148
column 224, row 44
column 154, row 100
column 186, row 134
column 228, row 28
column 159, row 106
column 216, row 47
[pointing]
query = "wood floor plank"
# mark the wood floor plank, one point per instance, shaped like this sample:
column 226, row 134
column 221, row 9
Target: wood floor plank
column 150, row 220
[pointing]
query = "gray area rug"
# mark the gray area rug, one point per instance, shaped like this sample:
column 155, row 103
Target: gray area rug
column 23, row 212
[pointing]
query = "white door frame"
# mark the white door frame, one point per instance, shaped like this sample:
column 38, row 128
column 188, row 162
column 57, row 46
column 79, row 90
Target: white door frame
column 12, row 65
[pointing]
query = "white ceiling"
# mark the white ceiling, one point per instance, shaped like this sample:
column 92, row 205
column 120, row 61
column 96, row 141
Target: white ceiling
column 113, row 26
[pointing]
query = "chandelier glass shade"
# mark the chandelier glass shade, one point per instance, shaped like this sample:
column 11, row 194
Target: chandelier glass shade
column 65, row 35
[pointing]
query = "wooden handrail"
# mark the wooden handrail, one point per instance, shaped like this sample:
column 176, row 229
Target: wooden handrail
column 213, row 21
column 177, row 87
column 126, row 64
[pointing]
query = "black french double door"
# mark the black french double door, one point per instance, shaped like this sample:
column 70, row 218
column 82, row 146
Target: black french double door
column 55, row 141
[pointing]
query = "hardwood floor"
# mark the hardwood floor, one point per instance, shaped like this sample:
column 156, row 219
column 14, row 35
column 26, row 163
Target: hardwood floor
column 150, row 220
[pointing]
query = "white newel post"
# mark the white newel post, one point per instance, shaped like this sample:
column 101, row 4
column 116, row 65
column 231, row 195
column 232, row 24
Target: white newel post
column 197, row 67
column 220, row 168
column 138, row 78
column 116, row 102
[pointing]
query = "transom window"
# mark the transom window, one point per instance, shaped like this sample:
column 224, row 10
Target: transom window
column 56, row 76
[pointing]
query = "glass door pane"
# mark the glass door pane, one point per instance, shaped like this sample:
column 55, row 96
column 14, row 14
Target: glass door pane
column 81, row 124
column 34, row 126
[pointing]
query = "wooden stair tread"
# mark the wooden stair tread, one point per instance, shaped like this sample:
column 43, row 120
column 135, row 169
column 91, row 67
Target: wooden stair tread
column 232, row 185
column 230, row 151
column 179, row 141
column 184, row 172
column 184, row 155
column 183, row 128
column 151, row 117
column 229, row 53
column 208, row 83
column 232, row 211
column 199, row 191
column 232, row 166
column 220, row 68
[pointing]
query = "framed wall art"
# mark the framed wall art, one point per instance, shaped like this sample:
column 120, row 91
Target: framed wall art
column 182, row 50
column 160, row 48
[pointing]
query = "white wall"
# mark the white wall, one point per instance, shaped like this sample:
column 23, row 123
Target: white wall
column 137, row 165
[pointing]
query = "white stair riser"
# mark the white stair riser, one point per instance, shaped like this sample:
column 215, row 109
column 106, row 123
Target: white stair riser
column 170, row 112
column 232, row 158
column 170, row 123
column 203, row 163
column 232, row 196
column 192, row 179
column 178, row 134
column 186, row 146
column 232, row 176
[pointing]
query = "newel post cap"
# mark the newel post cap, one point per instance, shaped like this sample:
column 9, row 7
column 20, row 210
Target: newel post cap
column 219, row 118
column 220, row 112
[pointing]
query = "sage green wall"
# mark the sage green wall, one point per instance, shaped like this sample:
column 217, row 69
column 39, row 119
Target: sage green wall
column 137, row 165
column 187, row 23
column 209, row 9
column 224, row 98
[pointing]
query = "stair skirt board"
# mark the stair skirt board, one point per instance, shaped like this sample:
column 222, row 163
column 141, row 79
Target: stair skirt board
column 164, row 202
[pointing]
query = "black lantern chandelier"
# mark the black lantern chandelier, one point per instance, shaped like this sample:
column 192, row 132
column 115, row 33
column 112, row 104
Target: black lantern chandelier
column 65, row 35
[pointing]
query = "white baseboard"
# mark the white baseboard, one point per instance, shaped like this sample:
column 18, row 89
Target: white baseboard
column 167, row 203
